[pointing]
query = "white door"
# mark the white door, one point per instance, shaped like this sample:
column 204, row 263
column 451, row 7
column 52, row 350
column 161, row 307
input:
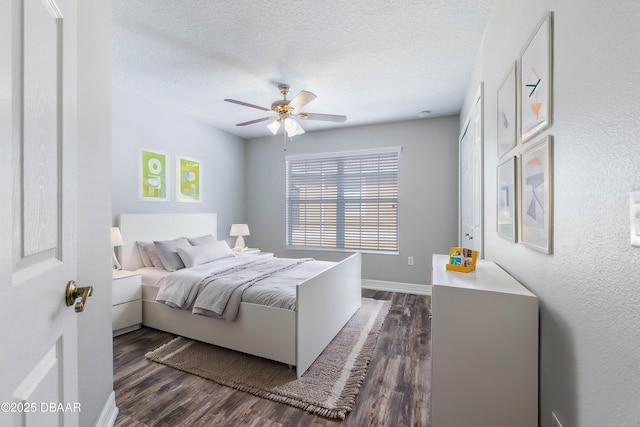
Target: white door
column 471, row 197
column 38, row 331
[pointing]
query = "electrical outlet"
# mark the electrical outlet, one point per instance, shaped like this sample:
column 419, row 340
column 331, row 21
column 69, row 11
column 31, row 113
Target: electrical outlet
column 635, row 218
column 554, row 420
column 410, row 260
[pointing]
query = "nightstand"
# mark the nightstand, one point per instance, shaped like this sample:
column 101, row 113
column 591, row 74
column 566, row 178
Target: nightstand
column 253, row 251
column 126, row 302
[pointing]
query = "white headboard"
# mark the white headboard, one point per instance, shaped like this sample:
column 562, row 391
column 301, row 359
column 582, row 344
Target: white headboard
column 160, row 226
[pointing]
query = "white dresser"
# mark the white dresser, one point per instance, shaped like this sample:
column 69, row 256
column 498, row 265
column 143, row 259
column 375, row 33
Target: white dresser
column 126, row 302
column 484, row 348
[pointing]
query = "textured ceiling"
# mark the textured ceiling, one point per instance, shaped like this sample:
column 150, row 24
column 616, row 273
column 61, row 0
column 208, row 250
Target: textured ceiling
column 373, row 61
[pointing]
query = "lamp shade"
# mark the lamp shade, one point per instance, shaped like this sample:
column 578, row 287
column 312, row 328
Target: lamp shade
column 116, row 237
column 274, row 126
column 239, row 230
column 292, row 127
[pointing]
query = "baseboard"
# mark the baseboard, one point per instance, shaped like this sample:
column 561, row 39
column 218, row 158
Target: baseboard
column 407, row 288
column 109, row 412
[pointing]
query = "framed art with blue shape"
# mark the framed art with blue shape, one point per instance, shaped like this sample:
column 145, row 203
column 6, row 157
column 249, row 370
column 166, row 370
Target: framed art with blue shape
column 506, row 214
column 153, row 175
column 536, row 78
column 188, row 179
column 536, row 190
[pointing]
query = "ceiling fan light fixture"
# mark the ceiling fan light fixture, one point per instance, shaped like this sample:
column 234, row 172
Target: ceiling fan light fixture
column 283, row 111
column 292, row 127
column 274, row 126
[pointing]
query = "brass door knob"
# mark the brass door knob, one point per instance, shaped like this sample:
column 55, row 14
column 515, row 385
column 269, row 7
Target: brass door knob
column 73, row 292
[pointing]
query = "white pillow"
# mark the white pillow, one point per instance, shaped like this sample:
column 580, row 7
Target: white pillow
column 197, row 255
column 168, row 253
column 222, row 250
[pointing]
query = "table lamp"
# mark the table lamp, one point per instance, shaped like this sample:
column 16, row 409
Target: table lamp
column 116, row 240
column 239, row 230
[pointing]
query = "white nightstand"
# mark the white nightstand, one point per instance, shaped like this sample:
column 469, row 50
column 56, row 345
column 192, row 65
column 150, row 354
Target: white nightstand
column 126, row 302
column 253, row 251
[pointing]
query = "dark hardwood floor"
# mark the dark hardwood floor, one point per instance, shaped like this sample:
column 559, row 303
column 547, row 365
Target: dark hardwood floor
column 396, row 391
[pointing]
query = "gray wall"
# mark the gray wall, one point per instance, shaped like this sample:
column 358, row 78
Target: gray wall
column 428, row 191
column 139, row 124
column 588, row 289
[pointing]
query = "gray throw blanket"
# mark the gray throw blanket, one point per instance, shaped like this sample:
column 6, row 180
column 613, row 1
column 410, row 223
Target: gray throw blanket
column 219, row 294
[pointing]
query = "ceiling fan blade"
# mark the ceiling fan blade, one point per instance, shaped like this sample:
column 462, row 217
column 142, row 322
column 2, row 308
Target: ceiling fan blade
column 323, row 117
column 301, row 99
column 255, row 121
column 246, row 104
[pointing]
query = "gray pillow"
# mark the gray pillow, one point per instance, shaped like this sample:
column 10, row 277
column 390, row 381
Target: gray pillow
column 150, row 249
column 146, row 261
column 168, row 253
column 202, row 240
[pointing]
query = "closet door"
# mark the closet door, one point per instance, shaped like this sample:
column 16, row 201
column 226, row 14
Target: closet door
column 471, row 183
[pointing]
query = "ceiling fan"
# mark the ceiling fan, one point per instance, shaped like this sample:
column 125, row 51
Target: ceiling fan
column 284, row 111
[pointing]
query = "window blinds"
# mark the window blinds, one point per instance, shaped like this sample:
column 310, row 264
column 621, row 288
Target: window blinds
column 344, row 201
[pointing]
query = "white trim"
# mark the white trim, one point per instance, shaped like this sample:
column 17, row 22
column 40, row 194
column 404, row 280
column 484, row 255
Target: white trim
column 366, row 151
column 109, row 412
column 407, row 288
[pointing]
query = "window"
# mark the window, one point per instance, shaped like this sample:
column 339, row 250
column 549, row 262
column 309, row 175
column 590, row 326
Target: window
column 346, row 201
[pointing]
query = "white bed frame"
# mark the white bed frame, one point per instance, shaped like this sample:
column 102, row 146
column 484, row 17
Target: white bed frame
column 325, row 302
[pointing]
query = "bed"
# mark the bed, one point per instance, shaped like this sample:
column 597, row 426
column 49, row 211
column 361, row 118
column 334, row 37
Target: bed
column 324, row 302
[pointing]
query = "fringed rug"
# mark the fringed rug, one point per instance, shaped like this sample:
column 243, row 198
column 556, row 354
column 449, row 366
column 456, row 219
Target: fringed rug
column 329, row 388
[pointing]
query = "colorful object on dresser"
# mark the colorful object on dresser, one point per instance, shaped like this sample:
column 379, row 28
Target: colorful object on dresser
column 462, row 259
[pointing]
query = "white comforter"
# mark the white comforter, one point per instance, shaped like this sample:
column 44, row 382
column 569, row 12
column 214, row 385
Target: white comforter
column 216, row 289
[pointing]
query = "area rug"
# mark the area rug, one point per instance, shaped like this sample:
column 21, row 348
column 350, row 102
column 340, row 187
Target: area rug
column 329, row 387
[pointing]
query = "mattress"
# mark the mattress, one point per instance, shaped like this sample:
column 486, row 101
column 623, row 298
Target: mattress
column 151, row 275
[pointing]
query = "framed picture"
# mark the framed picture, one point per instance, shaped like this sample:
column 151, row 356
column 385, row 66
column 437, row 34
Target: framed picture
column 188, row 179
column 153, row 176
column 536, row 80
column 506, row 214
column 536, row 219
column 507, row 113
